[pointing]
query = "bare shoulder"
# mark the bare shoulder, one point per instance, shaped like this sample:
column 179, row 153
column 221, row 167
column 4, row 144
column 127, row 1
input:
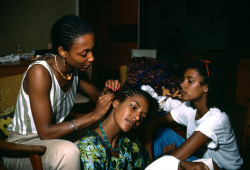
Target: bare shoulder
column 37, row 71
column 37, row 76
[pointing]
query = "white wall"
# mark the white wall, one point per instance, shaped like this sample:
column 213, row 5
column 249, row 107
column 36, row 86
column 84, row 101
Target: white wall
column 28, row 22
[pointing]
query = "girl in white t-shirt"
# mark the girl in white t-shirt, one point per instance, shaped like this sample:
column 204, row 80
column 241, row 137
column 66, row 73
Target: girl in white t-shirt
column 209, row 132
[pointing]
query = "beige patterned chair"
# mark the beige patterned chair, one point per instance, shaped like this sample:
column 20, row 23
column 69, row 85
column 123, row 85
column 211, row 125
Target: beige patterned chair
column 9, row 88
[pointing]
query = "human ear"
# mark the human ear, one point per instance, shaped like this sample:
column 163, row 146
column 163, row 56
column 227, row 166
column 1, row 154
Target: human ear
column 206, row 88
column 61, row 51
column 115, row 103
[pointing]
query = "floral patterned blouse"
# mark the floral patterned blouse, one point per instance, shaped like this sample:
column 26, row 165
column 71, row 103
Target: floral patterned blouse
column 96, row 155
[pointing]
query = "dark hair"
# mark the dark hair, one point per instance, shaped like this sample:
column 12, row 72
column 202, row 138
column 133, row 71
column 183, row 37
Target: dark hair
column 66, row 30
column 132, row 91
column 212, row 77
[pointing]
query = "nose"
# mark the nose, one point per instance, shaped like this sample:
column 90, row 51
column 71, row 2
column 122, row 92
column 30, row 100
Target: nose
column 91, row 57
column 137, row 116
column 182, row 84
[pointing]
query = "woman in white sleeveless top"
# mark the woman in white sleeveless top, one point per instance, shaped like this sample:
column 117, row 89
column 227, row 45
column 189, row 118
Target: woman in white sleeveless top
column 47, row 94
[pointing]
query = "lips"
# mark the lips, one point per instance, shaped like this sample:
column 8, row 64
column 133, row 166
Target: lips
column 131, row 123
column 85, row 66
column 183, row 91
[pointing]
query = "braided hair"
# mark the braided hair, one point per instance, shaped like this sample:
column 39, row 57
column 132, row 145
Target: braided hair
column 66, row 30
column 212, row 77
column 132, row 91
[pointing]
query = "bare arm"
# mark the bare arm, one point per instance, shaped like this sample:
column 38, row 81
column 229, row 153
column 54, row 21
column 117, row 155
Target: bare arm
column 37, row 84
column 93, row 92
column 191, row 145
column 196, row 166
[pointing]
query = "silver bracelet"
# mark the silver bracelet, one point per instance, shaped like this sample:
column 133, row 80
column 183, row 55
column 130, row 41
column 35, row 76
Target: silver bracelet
column 72, row 124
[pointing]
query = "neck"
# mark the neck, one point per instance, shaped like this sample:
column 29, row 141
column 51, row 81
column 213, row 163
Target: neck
column 201, row 106
column 111, row 129
column 62, row 68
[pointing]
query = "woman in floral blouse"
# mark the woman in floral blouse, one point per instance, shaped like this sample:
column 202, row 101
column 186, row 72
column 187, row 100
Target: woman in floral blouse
column 108, row 146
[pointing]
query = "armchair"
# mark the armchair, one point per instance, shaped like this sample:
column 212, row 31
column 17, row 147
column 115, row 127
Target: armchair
column 33, row 152
column 8, row 94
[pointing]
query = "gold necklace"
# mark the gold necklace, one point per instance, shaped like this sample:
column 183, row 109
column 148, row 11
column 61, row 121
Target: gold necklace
column 68, row 76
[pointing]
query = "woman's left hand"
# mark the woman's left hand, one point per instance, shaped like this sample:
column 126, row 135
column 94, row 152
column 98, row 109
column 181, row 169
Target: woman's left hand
column 111, row 85
column 168, row 148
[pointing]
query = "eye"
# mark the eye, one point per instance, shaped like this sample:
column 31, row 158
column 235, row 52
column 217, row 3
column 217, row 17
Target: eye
column 143, row 117
column 190, row 80
column 85, row 53
column 133, row 107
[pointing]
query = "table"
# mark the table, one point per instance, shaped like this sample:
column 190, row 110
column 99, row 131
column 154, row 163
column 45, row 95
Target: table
column 10, row 69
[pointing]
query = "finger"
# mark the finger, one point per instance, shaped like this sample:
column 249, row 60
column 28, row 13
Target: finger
column 117, row 85
column 113, row 85
column 106, row 104
column 108, row 83
column 107, row 96
column 116, row 82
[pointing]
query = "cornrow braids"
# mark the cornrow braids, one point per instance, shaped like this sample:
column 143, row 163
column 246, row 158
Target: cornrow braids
column 212, row 77
column 66, row 30
column 132, row 91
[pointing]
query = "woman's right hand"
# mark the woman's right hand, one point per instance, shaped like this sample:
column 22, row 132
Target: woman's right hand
column 192, row 166
column 103, row 104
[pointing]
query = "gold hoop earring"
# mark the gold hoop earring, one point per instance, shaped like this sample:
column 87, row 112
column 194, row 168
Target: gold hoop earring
column 64, row 61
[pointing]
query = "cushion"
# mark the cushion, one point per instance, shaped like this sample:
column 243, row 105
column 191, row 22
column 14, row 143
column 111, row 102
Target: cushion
column 155, row 73
column 5, row 119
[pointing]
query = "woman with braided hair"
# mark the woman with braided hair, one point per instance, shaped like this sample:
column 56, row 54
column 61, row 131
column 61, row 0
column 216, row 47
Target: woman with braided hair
column 209, row 132
column 47, row 95
column 108, row 146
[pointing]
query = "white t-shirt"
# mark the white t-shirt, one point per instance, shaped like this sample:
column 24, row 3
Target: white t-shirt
column 215, row 125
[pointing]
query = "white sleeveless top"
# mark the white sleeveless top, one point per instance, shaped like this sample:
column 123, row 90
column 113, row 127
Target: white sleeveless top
column 61, row 103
